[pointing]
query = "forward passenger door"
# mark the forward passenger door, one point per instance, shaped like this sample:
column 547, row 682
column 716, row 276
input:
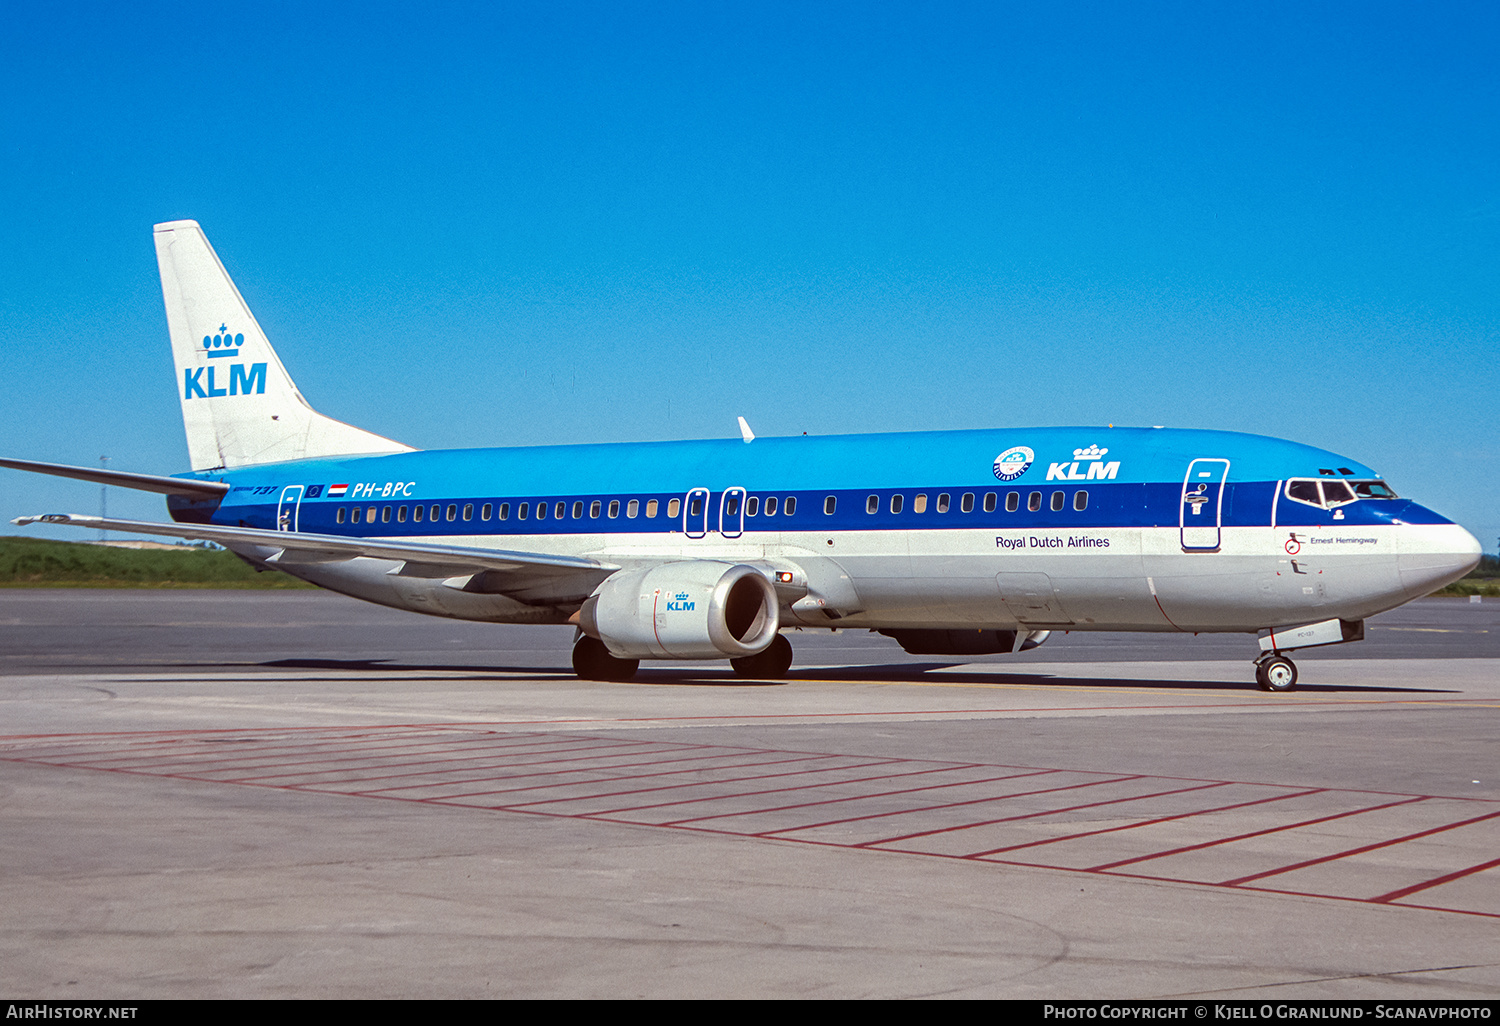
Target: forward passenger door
column 1200, row 517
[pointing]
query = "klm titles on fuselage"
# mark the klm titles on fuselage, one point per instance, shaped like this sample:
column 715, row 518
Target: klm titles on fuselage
column 1097, row 469
column 1034, row 541
column 200, row 383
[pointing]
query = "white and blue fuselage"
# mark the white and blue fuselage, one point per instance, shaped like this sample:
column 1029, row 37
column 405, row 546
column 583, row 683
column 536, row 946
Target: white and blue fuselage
column 1102, row 529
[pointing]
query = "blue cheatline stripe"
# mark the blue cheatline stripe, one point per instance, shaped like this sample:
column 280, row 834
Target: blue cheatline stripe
column 1106, row 506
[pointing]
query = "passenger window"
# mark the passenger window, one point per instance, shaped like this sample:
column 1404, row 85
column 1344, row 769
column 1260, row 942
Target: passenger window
column 452, row 512
column 505, row 511
column 354, row 515
column 560, row 511
column 1080, row 500
column 632, row 509
column 1058, row 501
column 400, row 514
column 416, row 514
column 1034, row 501
column 524, row 511
column 385, row 514
column 1012, row 501
column 829, row 505
column 942, row 503
column 614, row 508
column 435, row 513
column 732, row 504
column 370, row 514
column 485, row 511
column 338, row 515
column 872, row 504
column 989, row 502
column 673, row 506
column 468, row 511
column 790, row 506
column 770, row 505
column 919, row 504
column 578, row 510
column 967, row 502
column 595, row 508
column 650, row 509
column 695, row 506
column 541, row 511
column 752, row 505
column 897, row 501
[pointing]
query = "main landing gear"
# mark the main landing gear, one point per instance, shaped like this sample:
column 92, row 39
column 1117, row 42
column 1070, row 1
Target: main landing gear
column 1275, row 672
column 592, row 661
column 769, row 664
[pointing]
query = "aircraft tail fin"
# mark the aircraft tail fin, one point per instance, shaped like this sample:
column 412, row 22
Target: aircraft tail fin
column 239, row 405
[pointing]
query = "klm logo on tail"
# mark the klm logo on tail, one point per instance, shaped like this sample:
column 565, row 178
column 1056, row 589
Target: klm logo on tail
column 198, row 383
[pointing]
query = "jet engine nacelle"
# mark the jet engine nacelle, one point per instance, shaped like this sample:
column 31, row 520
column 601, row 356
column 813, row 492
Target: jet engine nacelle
column 691, row 610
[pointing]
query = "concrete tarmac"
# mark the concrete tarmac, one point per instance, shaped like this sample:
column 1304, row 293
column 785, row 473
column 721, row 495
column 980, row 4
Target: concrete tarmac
column 234, row 794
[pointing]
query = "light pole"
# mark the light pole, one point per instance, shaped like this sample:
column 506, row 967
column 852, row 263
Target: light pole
column 103, row 514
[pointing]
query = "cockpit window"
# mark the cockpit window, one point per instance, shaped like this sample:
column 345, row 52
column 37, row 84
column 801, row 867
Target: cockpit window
column 1304, row 491
column 1329, row 494
column 1336, row 493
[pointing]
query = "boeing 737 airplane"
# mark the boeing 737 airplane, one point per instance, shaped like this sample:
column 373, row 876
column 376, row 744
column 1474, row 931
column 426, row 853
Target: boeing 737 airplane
column 951, row 543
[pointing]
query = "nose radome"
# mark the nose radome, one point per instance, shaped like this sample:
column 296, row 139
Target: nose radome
column 1442, row 553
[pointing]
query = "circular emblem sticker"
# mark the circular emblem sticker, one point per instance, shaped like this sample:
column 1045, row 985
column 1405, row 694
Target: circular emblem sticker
column 1012, row 463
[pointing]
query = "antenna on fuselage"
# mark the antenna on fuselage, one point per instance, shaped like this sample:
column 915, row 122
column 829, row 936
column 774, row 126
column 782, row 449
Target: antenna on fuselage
column 745, row 432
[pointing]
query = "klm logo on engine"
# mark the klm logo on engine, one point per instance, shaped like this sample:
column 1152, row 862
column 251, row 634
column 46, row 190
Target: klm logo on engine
column 1093, row 458
column 200, row 383
column 679, row 602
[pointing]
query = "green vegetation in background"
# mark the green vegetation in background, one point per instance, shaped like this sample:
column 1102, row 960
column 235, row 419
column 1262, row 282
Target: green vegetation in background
column 35, row 563
column 1484, row 579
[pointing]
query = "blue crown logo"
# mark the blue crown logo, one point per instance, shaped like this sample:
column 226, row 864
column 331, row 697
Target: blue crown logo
column 223, row 344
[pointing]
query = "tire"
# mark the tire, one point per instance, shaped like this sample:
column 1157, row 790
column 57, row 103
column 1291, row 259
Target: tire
column 592, row 661
column 770, row 664
column 1277, row 674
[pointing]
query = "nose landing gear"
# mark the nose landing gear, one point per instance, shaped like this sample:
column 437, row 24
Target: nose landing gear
column 1275, row 672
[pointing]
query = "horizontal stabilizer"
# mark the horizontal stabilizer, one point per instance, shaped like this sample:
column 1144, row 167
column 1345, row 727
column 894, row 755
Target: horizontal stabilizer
column 121, row 479
column 519, row 569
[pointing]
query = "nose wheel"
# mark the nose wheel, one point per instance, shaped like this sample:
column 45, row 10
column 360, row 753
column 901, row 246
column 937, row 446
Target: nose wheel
column 1275, row 673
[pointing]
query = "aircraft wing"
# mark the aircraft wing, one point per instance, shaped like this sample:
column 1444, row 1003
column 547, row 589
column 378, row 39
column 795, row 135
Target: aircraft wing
column 537, row 577
column 123, row 479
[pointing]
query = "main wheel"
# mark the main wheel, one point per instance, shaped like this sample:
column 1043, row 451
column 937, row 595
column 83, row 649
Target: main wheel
column 1276, row 674
column 767, row 665
column 592, row 661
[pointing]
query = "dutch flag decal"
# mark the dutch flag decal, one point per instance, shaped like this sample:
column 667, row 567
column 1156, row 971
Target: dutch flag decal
column 337, row 491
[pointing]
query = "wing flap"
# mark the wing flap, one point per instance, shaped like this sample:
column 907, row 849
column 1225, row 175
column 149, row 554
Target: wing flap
column 530, row 576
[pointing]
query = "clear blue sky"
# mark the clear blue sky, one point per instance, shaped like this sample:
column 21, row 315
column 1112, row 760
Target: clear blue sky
column 512, row 224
